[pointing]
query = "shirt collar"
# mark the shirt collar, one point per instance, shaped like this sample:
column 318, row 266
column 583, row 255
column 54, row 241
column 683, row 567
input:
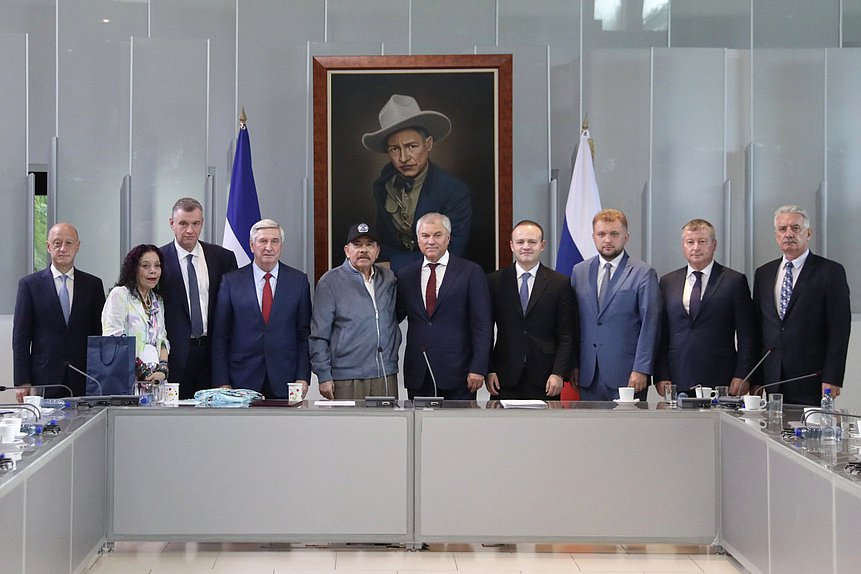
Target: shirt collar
column 442, row 260
column 260, row 273
column 615, row 262
column 797, row 262
column 350, row 265
column 56, row 272
column 520, row 270
column 707, row 270
column 182, row 253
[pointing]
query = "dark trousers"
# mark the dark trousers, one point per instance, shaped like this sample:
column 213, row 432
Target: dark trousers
column 198, row 369
column 427, row 390
column 524, row 390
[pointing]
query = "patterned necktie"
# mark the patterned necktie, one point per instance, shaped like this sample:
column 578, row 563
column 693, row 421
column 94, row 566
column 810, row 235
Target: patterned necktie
column 786, row 289
column 696, row 295
column 267, row 298
column 524, row 291
column 194, row 299
column 605, row 284
column 430, row 290
column 65, row 301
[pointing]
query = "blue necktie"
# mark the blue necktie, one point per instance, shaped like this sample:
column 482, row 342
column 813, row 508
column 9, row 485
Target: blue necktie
column 605, row 284
column 696, row 295
column 194, row 300
column 786, row 289
column 524, row 291
column 65, row 301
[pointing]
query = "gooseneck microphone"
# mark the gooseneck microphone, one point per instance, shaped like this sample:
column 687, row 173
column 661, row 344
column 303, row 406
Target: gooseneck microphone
column 25, row 387
column 80, row 372
column 792, row 380
column 36, row 412
column 756, row 366
column 427, row 402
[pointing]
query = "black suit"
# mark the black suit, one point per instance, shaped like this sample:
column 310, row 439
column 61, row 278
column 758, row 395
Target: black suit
column 702, row 350
column 532, row 346
column 813, row 335
column 42, row 343
column 190, row 360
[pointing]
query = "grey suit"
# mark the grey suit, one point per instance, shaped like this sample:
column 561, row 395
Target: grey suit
column 623, row 335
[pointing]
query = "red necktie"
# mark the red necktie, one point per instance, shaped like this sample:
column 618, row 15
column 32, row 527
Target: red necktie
column 430, row 290
column 267, row 298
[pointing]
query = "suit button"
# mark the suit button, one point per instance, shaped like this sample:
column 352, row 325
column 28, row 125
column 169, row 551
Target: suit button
column 599, row 323
column 525, row 332
column 595, row 345
column 429, row 323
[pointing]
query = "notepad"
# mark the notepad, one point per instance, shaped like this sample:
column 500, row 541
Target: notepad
column 523, row 404
column 334, row 403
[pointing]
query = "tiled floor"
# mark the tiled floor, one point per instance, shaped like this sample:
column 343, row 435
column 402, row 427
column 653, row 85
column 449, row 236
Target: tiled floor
column 176, row 558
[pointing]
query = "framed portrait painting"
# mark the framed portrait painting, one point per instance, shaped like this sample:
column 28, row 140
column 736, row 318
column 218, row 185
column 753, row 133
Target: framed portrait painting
column 399, row 136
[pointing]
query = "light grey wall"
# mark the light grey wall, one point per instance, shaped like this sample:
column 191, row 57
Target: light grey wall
column 723, row 109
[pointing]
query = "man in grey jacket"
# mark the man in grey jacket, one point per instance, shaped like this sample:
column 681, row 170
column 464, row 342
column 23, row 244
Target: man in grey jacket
column 354, row 329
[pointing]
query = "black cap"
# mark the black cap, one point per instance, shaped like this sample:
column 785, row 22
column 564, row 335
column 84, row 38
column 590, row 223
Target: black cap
column 358, row 230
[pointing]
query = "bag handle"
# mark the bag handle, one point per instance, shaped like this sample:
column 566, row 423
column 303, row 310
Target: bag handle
column 116, row 341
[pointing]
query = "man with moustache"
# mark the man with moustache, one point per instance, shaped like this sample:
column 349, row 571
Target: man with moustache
column 262, row 321
column 620, row 313
column 189, row 285
column 708, row 331
column 802, row 305
column 410, row 185
column 449, row 326
column 55, row 311
column 354, row 328
column 536, row 322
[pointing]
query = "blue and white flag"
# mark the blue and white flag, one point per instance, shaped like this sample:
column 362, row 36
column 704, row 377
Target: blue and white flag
column 583, row 203
column 243, row 209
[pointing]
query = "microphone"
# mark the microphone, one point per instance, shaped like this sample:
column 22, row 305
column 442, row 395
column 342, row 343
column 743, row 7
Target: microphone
column 756, row 366
column 792, row 380
column 735, row 401
column 80, row 372
column 435, row 400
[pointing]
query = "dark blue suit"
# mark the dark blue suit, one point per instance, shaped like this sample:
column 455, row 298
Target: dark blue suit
column 702, row 350
column 441, row 192
column 622, row 336
column 42, row 343
column 245, row 350
column 813, row 335
column 457, row 337
column 177, row 316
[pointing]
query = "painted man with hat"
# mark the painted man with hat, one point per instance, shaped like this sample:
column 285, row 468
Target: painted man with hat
column 410, row 185
column 354, row 329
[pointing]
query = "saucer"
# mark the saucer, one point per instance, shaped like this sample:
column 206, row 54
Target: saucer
column 752, row 411
column 621, row 402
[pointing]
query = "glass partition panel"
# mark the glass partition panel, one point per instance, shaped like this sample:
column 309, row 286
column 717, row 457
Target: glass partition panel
column 789, row 139
column 13, row 167
column 36, row 18
column 369, row 21
column 796, row 23
column 213, row 20
column 687, row 147
column 168, row 131
column 93, row 124
column 553, row 22
column 843, row 148
column 530, row 170
column 710, row 24
column 851, row 24
column 274, row 88
column 452, row 26
column 616, row 96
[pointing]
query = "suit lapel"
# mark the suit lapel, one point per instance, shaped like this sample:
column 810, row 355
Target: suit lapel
column 539, row 284
column 711, row 287
column 616, row 281
column 171, row 263
column 807, row 271
column 50, row 289
column 213, row 269
column 451, row 276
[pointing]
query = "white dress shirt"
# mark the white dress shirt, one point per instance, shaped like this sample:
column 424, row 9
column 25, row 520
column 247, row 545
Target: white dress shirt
column 689, row 284
column 797, row 263
column 530, row 283
column 440, row 274
column 260, row 281
column 615, row 267
column 199, row 262
column 70, row 283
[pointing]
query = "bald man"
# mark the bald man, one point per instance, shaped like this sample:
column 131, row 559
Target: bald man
column 56, row 310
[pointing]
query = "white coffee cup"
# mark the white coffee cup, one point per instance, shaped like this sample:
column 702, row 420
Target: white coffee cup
column 13, row 420
column 754, row 402
column 626, row 394
column 294, row 392
column 705, row 393
column 171, row 392
column 34, row 401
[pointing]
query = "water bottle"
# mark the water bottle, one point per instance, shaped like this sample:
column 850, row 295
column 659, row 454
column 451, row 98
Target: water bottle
column 55, row 403
column 828, row 420
column 31, row 429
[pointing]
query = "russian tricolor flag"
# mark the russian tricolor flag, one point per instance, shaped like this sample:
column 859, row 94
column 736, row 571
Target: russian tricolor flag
column 243, row 209
column 583, row 203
